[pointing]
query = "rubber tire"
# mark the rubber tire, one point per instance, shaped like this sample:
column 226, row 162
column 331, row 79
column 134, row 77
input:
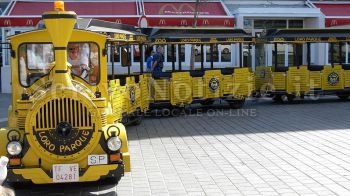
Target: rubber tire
column 236, row 104
column 343, row 97
column 277, row 99
column 290, row 98
column 207, row 102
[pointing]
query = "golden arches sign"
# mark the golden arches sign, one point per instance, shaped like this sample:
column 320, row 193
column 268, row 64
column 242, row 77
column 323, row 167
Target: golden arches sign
column 172, row 7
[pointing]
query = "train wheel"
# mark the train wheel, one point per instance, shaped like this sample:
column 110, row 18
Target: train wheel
column 236, row 104
column 290, row 98
column 277, row 98
column 343, row 96
column 207, row 102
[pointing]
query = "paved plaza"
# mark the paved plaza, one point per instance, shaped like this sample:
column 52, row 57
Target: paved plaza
column 263, row 149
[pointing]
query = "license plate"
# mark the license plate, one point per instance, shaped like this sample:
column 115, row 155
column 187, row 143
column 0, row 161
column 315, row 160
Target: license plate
column 65, row 173
column 100, row 159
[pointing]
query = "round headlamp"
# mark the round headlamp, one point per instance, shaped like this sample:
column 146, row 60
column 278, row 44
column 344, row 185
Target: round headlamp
column 14, row 148
column 114, row 143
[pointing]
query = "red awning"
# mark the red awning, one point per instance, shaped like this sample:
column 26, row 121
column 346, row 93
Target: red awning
column 28, row 13
column 182, row 14
column 337, row 14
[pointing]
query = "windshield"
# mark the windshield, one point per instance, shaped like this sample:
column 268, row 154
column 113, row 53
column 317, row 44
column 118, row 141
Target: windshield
column 34, row 62
column 84, row 58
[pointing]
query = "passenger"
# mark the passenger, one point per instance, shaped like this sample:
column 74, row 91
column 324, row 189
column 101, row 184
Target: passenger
column 150, row 61
column 158, row 60
column 79, row 61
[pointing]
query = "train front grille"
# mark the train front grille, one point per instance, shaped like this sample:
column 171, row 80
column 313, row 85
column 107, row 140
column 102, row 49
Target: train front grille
column 63, row 110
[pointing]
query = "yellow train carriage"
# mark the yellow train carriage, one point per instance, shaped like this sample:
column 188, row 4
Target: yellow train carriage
column 61, row 125
column 177, row 87
column 307, row 79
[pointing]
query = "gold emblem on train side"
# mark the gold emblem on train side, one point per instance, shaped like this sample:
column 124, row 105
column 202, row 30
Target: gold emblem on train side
column 333, row 79
column 214, row 84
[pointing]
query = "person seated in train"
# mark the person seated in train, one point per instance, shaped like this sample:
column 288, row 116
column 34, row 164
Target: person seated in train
column 150, row 61
column 78, row 57
column 158, row 61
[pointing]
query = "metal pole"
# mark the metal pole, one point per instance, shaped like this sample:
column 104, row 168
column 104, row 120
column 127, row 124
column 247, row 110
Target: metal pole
column 173, row 57
column 179, row 51
column 112, row 58
column 128, row 57
column 202, row 57
column 240, row 56
column 308, row 55
column 141, row 58
column 275, row 56
column 340, row 53
column 332, row 54
column 211, row 56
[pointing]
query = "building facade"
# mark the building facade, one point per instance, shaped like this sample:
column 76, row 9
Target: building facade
column 254, row 16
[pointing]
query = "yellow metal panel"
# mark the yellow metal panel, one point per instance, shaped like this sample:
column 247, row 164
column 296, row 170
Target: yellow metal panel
column 197, row 87
column 243, row 84
column 181, row 88
column 212, row 84
column 262, row 78
column 161, row 90
column 347, row 78
column 298, row 80
column 315, row 80
column 227, row 85
column 278, row 81
column 332, row 78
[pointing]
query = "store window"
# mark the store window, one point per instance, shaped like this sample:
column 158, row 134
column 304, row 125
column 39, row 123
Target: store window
column 270, row 24
column 225, row 52
column 215, row 53
column 182, row 53
column 294, row 24
column 248, row 23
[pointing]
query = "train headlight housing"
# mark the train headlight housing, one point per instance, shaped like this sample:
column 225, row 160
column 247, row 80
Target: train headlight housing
column 114, row 143
column 14, row 148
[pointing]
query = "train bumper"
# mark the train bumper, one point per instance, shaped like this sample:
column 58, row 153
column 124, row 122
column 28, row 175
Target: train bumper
column 39, row 176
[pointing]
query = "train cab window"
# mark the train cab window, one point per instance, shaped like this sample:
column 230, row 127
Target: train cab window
column 84, row 58
column 34, row 62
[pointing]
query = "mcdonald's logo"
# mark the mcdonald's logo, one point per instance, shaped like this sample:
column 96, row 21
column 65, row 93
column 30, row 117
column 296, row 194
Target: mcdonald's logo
column 118, row 21
column 162, row 22
column 334, row 22
column 205, row 22
column 29, row 22
column 183, row 9
column 183, row 22
column 7, row 22
column 227, row 22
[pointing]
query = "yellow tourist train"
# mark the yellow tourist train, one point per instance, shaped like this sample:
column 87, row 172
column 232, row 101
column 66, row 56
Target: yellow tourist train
column 69, row 108
column 301, row 77
column 64, row 119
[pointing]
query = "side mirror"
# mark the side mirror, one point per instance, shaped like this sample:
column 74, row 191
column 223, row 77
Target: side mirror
column 125, row 62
